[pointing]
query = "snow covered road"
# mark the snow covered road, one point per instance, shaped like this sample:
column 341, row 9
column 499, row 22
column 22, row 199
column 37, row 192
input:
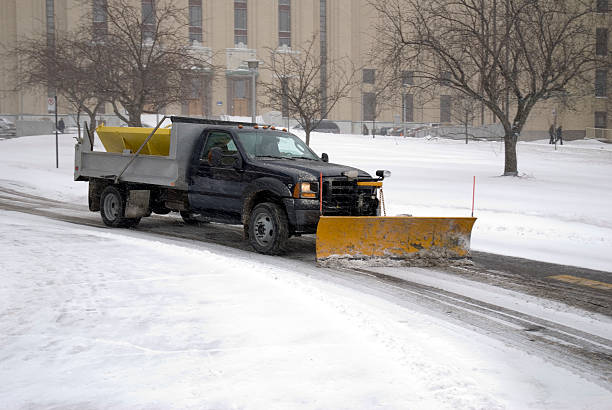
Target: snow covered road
column 114, row 318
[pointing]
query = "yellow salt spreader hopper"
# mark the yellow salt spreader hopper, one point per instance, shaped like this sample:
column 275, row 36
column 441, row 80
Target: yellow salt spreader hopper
column 120, row 139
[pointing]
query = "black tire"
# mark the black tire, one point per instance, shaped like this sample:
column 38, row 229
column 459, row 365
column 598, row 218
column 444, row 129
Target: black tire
column 268, row 229
column 161, row 210
column 130, row 222
column 112, row 207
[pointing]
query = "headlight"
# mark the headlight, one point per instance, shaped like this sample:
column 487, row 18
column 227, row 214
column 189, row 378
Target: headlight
column 305, row 190
column 383, row 173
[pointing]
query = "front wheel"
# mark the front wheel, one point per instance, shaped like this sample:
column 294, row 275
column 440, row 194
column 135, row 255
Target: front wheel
column 268, row 229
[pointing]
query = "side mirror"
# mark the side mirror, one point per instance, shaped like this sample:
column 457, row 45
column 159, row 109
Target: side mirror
column 215, row 156
column 238, row 165
column 325, row 157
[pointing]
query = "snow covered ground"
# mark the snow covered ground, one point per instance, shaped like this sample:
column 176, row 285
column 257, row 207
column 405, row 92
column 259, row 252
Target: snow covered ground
column 98, row 318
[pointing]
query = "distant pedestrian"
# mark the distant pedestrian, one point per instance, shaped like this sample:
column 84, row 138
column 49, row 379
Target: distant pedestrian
column 365, row 130
column 559, row 135
column 551, row 132
column 61, row 126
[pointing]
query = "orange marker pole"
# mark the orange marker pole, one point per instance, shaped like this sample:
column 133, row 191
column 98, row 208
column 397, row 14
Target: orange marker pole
column 473, row 194
column 321, row 193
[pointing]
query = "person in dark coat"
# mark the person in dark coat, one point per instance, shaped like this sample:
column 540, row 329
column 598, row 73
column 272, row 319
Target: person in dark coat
column 559, row 135
column 551, row 132
column 61, row 126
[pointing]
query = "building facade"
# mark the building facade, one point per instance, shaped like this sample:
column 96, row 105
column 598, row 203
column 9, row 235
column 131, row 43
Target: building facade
column 233, row 32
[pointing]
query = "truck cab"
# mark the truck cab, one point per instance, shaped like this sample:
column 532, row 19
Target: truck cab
column 264, row 178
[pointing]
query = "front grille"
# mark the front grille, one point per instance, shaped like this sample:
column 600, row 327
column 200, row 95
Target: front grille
column 342, row 196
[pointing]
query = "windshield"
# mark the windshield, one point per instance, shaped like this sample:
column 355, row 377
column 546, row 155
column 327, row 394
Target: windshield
column 274, row 144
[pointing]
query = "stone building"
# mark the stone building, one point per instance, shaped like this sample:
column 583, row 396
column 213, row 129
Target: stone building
column 232, row 32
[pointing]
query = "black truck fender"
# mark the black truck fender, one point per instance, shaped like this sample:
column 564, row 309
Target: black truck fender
column 264, row 190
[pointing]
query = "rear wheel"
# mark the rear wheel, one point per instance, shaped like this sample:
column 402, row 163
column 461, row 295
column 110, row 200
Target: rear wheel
column 112, row 209
column 268, row 229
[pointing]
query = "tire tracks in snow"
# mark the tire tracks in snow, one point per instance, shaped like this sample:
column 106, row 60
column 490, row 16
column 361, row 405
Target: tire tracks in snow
column 584, row 353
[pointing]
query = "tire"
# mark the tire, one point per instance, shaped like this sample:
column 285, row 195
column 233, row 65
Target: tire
column 130, row 222
column 112, row 207
column 268, row 229
column 161, row 210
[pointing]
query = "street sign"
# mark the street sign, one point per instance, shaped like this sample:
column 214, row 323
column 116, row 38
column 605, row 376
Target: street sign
column 219, row 103
column 50, row 105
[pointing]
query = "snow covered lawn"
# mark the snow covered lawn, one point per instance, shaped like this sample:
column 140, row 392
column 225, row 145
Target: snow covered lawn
column 558, row 210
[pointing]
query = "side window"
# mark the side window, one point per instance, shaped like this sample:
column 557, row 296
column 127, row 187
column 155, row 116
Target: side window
column 222, row 140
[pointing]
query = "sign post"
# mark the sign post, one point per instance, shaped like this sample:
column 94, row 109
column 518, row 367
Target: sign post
column 56, row 143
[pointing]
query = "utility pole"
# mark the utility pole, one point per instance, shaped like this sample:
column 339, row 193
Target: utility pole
column 56, row 137
column 253, row 65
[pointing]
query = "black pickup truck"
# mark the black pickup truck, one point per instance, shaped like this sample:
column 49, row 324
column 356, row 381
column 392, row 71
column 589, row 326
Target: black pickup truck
column 264, row 178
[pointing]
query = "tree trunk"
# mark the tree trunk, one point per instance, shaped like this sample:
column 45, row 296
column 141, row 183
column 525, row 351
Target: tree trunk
column 466, row 128
column 92, row 121
column 78, row 121
column 510, row 165
column 134, row 119
column 307, row 137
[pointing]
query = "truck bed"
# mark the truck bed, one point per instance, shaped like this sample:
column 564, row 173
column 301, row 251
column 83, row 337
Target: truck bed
column 166, row 171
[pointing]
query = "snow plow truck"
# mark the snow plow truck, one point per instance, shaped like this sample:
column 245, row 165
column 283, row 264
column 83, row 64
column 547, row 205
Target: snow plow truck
column 261, row 177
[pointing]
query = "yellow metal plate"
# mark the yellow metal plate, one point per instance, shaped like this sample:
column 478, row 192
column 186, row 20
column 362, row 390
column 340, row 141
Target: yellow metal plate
column 117, row 139
column 392, row 236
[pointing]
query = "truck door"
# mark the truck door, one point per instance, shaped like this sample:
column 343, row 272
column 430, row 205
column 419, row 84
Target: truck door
column 216, row 189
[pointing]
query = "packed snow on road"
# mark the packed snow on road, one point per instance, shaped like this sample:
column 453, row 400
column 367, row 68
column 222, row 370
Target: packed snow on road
column 95, row 317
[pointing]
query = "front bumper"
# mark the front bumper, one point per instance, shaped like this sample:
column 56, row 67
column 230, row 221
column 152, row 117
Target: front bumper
column 303, row 214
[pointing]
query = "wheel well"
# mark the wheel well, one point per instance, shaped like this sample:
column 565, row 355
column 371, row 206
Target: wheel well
column 255, row 198
column 96, row 186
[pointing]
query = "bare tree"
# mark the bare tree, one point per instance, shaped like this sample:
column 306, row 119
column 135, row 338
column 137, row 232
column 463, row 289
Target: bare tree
column 507, row 54
column 294, row 87
column 464, row 109
column 145, row 56
column 379, row 91
column 64, row 68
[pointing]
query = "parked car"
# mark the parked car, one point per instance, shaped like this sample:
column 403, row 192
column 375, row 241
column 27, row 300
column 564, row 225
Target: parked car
column 6, row 124
column 324, row 126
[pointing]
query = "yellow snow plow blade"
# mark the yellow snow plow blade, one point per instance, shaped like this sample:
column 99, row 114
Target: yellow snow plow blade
column 118, row 139
column 394, row 237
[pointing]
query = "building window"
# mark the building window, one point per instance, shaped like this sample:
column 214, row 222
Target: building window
column 195, row 22
column 284, row 23
column 601, row 83
column 369, row 75
column 100, row 24
column 148, row 19
column 369, row 106
column 445, row 78
column 50, row 22
column 407, row 77
column 445, row 108
column 197, row 95
column 50, row 16
column 240, row 22
column 601, row 119
column 407, row 108
column 239, row 95
column 601, row 42
column 602, row 6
